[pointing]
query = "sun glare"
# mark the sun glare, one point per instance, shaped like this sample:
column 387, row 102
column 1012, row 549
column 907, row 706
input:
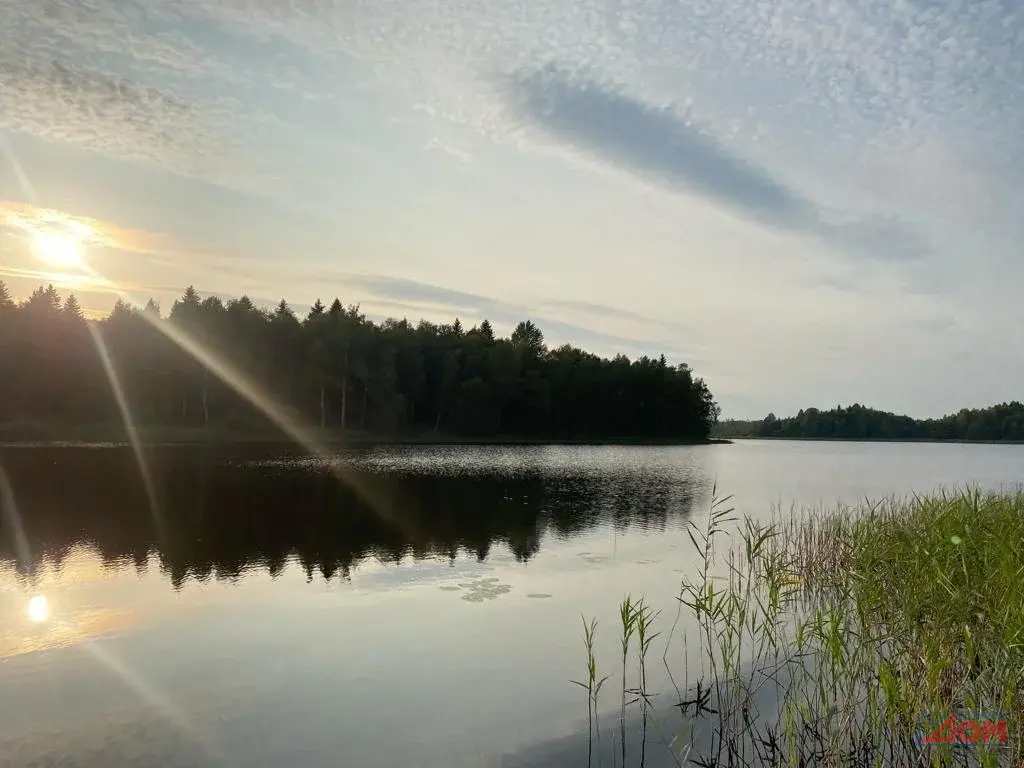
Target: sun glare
column 58, row 249
column 38, row 609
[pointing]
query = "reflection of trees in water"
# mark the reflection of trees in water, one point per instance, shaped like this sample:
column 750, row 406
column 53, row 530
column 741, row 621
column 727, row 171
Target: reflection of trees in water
column 221, row 519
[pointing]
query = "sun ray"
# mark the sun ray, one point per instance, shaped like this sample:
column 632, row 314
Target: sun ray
column 244, row 386
column 12, row 158
column 129, row 425
column 12, row 520
column 289, row 425
column 155, row 698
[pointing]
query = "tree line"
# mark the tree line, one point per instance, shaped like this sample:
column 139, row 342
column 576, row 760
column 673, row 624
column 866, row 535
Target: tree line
column 1002, row 422
column 333, row 368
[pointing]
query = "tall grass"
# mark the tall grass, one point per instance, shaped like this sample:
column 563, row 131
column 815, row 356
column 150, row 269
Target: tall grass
column 848, row 628
column 592, row 686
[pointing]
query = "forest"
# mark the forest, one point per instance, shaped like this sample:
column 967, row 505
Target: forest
column 332, row 368
column 1002, row 422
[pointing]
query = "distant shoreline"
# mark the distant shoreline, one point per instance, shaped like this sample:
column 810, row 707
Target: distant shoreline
column 999, row 423
column 958, row 440
column 15, row 437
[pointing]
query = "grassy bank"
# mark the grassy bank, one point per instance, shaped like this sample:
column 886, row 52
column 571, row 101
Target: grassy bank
column 37, row 432
column 861, row 628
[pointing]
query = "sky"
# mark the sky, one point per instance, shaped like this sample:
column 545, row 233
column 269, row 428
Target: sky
column 811, row 203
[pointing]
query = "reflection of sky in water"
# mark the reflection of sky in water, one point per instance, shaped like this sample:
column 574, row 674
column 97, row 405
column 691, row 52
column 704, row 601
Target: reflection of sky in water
column 433, row 659
column 341, row 668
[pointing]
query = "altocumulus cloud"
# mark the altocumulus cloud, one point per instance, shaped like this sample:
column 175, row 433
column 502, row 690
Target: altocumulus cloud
column 59, row 101
column 115, row 79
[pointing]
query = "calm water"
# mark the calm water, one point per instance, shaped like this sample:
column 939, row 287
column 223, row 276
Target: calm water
column 425, row 612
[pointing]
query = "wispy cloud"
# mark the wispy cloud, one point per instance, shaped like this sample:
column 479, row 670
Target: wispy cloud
column 439, row 145
column 603, row 310
column 549, row 314
column 121, row 260
column 655, row 141
column 566, row 321
column 75, row 281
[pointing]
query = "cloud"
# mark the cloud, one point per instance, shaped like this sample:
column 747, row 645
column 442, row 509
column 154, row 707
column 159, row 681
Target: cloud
column 838, row 71
column 648, row 140
column 60, row 101
column 436, row 144
column 120, row 259
column 71, row 280
column 413, row 292
column 102, row 26
column 384, row 296
column 106, row 77
column 416, row 296
column 654, row 141
column 890, row 129
column 602, row 310
column 389, row 296
column 591, row 311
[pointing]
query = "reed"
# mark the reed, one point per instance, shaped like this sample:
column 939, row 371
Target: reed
column 853, row 624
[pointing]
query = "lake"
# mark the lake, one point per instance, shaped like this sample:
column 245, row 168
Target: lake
column 412, row 606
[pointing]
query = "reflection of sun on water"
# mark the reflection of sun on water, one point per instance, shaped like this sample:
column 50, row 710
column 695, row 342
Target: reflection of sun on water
column 61, row 250
column 43, row 620
column 38, row 609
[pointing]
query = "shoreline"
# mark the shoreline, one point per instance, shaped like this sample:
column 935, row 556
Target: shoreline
column 15, row 437
column 957, row 440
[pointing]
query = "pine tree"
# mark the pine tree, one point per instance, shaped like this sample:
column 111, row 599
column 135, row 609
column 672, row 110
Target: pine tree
column 6, row 302
column 397, row 374
column 42, row 303
column 52, row 297
column 72, row 310
column 187, row 307
column 191, row 297
column 121, row 311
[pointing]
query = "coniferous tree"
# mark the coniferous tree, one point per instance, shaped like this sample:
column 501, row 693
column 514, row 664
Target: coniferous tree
column 334, row 368
column 72, row 309
column 1004, row 421
column 6, row 302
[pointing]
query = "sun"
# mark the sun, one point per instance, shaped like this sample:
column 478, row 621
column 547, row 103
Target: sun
column 58, row 249
column 38, row 609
